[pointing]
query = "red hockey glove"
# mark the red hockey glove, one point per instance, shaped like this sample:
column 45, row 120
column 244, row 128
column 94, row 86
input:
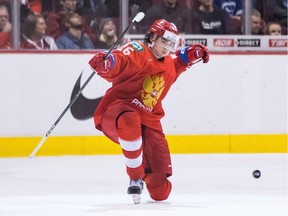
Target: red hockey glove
column 193, row 54
column 99, row 64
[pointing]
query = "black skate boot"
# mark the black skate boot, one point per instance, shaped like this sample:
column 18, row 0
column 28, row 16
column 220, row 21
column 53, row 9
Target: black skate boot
column 135, row 189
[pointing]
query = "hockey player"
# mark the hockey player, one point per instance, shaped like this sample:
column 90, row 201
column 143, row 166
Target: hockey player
column 130, row 111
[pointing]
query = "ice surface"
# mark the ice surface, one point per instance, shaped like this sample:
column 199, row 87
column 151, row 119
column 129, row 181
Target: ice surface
column 203, row 185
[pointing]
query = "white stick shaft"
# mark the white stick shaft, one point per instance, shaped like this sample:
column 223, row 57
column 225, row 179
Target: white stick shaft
column 38, row 147
column 61, row 116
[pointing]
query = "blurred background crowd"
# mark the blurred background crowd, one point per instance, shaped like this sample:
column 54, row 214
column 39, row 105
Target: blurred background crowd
column 96, row 24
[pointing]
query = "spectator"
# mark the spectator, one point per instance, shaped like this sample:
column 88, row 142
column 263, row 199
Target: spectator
column 233, row 7
column 91, row 9
column 101, row 8
column 107, row 34
column 113, row 8
column 74, row 38
column 278, row 10
column 27, row 7
column 54, row 20
column 97, row 7
column 256, row 23
column 209, row 19
column 170, row 10
column 136, row 6
column 273, row 28
column 34, row 34
column 5, row 27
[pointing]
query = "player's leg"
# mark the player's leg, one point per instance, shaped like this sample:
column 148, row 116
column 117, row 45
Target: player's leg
column 129, row 132
column 157, row 163
column 130, row 139
column 122, row 125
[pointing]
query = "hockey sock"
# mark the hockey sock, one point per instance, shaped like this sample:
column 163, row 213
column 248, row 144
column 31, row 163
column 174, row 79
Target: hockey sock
column 129, row 132
column 158, row 185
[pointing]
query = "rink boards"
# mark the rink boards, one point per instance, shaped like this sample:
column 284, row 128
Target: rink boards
column 92, row 145
column 235, row 104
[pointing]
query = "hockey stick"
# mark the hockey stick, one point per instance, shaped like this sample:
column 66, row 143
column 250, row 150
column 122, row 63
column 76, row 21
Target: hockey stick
column 137, row 18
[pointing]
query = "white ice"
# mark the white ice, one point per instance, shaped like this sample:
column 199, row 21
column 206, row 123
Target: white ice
column 203, row 185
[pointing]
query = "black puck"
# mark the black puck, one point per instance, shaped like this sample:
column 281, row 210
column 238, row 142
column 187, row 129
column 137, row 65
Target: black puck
column 256, row 173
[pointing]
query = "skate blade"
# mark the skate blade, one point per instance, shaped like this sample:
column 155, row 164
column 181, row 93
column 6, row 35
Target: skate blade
column 136, row 198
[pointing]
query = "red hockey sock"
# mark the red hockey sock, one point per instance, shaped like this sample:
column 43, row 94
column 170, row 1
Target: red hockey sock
column 129, row 132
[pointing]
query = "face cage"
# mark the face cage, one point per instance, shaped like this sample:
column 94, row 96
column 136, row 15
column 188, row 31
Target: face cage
column 173, row 38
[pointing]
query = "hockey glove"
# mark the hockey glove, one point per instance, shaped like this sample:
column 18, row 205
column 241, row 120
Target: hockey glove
column 100, row 65
column 193, row 54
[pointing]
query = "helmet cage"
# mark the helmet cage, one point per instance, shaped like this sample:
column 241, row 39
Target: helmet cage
column 173, row 38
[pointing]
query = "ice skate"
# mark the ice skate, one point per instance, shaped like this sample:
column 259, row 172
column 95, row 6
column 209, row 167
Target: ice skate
column 135, row 189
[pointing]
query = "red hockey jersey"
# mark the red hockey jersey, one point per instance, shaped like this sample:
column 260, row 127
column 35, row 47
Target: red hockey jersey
column 140, row 81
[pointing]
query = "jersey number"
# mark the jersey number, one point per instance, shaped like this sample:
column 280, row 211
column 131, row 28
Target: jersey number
column 126, row 50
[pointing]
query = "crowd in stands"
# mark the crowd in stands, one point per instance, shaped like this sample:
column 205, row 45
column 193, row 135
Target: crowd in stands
column 5, row 27
column 94, row 24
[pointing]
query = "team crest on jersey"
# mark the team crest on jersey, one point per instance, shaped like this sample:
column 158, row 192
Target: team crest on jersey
column 153, row 86
column 137, row 46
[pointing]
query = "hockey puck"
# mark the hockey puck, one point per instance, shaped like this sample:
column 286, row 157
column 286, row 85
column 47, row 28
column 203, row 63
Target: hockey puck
column 256, row 173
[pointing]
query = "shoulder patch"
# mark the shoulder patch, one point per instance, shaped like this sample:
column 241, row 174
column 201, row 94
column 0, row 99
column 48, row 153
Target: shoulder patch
column 137, row 46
